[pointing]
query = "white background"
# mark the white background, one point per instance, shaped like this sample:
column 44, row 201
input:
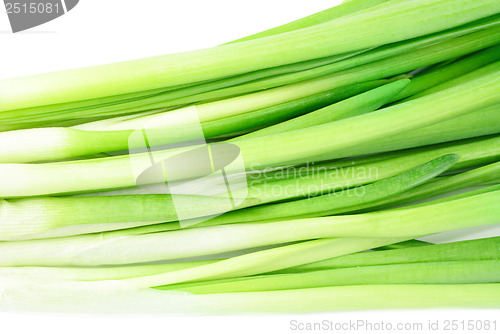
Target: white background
column 103, row 31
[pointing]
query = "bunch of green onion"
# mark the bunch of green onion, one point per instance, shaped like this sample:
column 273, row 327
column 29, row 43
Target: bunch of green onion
column 339, row 141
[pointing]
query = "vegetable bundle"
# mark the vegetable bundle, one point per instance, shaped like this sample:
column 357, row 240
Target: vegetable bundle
column 295, row 170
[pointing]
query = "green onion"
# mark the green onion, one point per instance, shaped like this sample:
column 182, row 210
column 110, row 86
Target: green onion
column 478, row 123
column 404, row 244
column 390, row 22
column 30, row 180
column 436, row 53
column 322, row 79
column 329, row 14
column 342, row 200
column 445, row 73
column 265, row 260
column 476, row 177
column 449, row 215
column 400, row 224
column 34, row 218
column 282, row 112
column 349, row 133
column 354, row 106
column 94, row 273
column 119, row 298
column 457, row 272
column 34, row 145
column 325, row 178
column 470, row 250
column 293, row 170
column 53, row 113
column 390, row 54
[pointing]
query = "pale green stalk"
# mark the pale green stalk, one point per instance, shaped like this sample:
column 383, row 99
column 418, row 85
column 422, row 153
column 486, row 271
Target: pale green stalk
column 342, row 200
column 340, row 138
column 437, row 76
column 327, row 15
column 461, row 129
column 120, row 298
column 476, row 177
column 472, row 152
column 354, row 106
column 345, row 201
column 322, row 178
column 321, row 81
column 325, row 178
column 145, row 103
column 446, row 216
column 389, row 23
column 92, row 250
column 482, row 190
column 35, row 113
column 265, row 261
column 404, row 245
column 455, row 81
column 64, row 111
column 401, row 224
column 45, row 144
column 336, row 138
column 94, row 273
column 457, row 272
column 49, row 217
column 469, row 250
column 36, row 218
column 478, row 123
column 185, row 95
column 253, row 120
column 378, row 54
